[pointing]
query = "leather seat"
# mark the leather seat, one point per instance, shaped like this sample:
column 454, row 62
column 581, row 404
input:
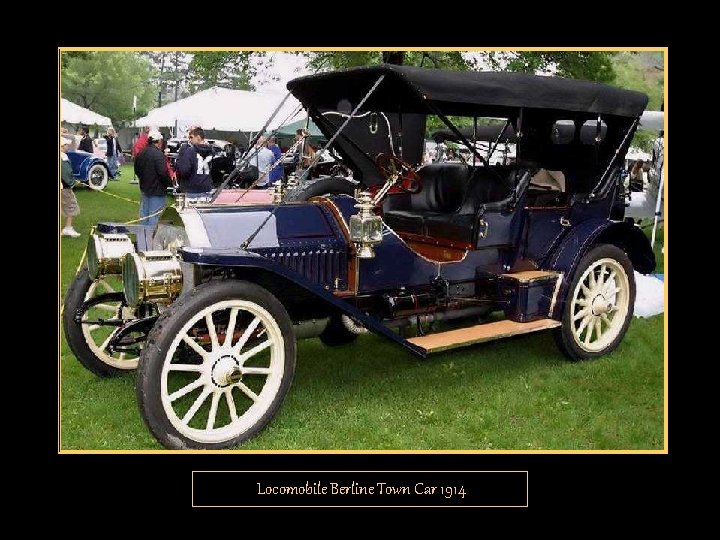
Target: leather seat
column 485, row 187
column 443, row 192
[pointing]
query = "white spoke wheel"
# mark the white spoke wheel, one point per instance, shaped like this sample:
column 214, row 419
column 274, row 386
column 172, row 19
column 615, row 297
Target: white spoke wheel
column 217, row 366
column 97, row 177
column 599, row 304
column 89, row 342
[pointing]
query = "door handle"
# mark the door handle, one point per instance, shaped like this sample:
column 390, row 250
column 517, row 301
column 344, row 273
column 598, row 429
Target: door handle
column 483, row 228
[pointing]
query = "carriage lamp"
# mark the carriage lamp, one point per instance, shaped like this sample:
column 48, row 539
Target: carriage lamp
column 105, row 253
column 151, row 276
column 365, row 227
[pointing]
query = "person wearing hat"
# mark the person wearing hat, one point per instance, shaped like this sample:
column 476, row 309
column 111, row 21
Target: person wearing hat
column 68, row 202
column 154, row 180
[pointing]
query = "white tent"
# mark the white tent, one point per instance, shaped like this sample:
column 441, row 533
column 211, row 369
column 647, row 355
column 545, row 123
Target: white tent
column 652, row 120
column 75, row 114
column 223, row 109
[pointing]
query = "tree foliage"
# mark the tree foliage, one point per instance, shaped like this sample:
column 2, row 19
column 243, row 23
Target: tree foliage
column 230, row 69
column 106, row 82
column 172, row 73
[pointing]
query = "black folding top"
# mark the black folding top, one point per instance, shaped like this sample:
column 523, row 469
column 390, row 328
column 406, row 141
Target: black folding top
column 406, row 88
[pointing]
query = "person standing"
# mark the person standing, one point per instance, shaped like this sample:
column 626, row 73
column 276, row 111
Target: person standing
column 139, row 146
column 150, row 168
column 263, row 158
column 86, row 143
column 112, row 153
column 276, row 173
column 193, row 166
column 68, row 202
column 637, row 182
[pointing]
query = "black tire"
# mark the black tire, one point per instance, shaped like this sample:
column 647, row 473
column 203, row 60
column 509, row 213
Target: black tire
column 164, row 333
column 336, row 333
column 97, row 177
column 565, row 336
column 331, row 185
column 74, row 333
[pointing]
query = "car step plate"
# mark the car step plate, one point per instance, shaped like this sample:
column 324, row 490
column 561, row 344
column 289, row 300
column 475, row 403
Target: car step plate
column 463, row 337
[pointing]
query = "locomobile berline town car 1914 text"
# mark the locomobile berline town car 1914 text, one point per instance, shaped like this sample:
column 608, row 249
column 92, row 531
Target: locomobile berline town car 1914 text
column 213, row 298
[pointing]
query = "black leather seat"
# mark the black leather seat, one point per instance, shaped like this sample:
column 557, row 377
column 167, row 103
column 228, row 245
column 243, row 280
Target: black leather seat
column 485, row 188
column 444, row 186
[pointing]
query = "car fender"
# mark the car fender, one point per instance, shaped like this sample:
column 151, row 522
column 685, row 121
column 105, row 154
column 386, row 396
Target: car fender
column 566, row 257
column 84, row 167
column 246, row 260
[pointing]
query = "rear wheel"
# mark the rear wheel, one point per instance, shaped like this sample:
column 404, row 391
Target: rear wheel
column 599, row 304
column 97, row 177
column 341, row 330
column 217, row 367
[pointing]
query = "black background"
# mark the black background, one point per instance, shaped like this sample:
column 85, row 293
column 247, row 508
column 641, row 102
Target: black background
column 598, row 491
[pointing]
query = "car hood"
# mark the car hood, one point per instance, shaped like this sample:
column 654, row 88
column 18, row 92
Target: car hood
column 228, row 228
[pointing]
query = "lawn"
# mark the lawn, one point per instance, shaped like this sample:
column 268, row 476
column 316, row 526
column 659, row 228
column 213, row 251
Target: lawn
column 518, row 393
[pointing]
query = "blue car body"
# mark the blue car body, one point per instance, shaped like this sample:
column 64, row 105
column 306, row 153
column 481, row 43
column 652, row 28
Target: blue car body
column 84, row 164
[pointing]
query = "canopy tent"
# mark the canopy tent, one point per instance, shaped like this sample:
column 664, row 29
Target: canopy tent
column 75, row 114
column 223, row 109
column 290, row 129
column 652, row 120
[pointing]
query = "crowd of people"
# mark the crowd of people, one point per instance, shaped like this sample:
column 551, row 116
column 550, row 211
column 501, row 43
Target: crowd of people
column 154, row 173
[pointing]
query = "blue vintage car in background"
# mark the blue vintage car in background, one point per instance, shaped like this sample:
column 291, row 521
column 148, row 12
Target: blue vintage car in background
column 89, row 169
column 209, row 303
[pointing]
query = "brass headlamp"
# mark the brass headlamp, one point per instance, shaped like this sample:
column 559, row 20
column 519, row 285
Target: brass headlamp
column 151, row 276
column 105, row 253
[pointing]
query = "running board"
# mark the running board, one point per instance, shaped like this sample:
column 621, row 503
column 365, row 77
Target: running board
column 463, row 337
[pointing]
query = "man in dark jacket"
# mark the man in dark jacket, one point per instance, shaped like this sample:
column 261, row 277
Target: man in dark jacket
column 193, row 166
column 86, row 143
column 112, row 153
column 150, row 168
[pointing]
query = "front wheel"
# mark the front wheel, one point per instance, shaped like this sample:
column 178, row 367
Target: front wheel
column 97, row 177
column 217, row 366
column 89, row 331
column 599, row 304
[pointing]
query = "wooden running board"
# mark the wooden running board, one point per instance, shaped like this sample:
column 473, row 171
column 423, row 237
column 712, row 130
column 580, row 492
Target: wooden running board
column 463, row 337
column 531, row 275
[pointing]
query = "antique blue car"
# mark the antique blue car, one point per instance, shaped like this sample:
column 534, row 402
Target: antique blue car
column 209, row 303
column 89, row 169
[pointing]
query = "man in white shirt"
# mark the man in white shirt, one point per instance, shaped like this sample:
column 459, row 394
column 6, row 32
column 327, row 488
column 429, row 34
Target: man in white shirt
column 263, row 160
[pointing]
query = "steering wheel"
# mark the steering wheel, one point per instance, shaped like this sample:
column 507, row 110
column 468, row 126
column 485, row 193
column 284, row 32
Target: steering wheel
column 389, row 166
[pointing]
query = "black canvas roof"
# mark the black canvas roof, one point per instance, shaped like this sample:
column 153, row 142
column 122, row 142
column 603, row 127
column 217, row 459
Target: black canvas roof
column 406, row 89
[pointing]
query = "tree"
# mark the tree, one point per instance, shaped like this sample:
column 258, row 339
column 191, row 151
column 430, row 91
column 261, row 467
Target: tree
column 224, row 68
column 592, row 66
column 106, row 82
column 171, row 74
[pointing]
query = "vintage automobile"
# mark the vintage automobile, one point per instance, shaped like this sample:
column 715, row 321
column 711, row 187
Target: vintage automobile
column 89, row 169
column 209, row 303
column 223, row 160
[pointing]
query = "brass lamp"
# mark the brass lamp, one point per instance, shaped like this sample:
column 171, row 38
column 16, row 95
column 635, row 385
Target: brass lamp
column 365, row 227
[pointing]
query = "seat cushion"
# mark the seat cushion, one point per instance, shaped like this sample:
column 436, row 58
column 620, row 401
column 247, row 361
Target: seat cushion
column 453, row 227
column 405, row 221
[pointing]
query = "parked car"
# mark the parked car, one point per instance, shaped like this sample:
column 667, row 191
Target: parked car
column 89, row 169
column 431, row 258
column 223, row 160
column 100, row 147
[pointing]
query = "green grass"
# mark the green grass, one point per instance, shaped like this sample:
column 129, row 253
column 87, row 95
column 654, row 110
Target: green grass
column 518, row 393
